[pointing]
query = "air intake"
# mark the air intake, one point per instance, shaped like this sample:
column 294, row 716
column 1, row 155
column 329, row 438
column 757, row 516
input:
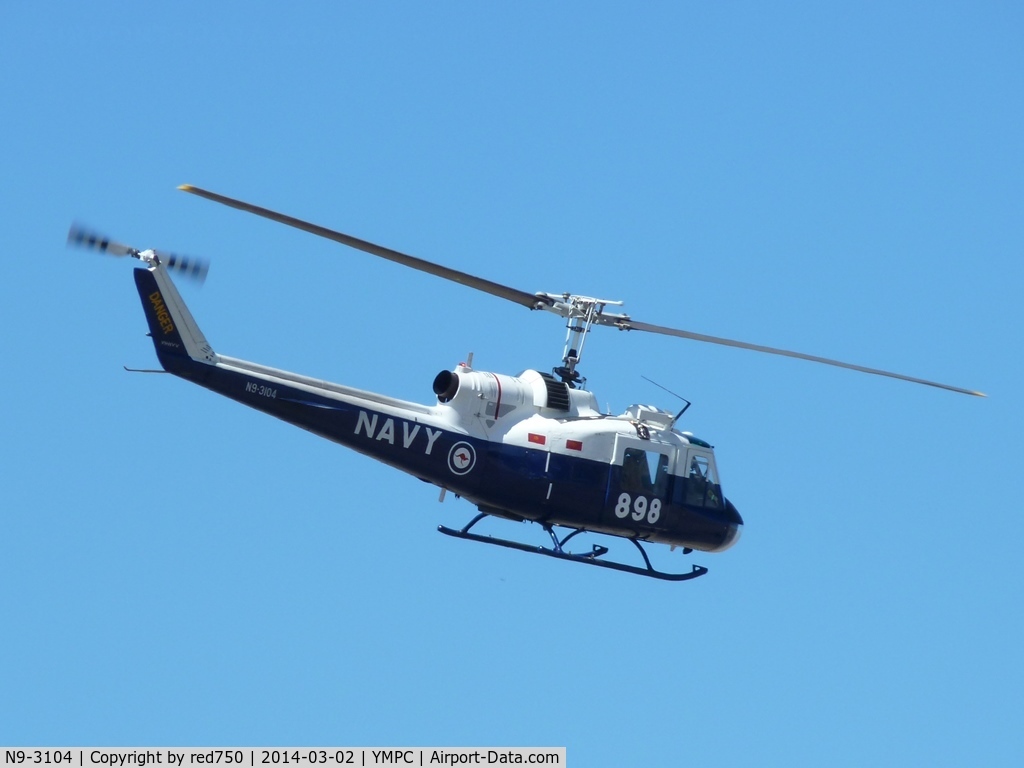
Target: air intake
column 558, row 393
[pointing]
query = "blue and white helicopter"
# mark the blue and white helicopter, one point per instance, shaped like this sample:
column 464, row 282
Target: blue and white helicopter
column 533, row 447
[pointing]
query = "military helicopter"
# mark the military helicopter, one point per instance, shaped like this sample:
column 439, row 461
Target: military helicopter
column 532, row 447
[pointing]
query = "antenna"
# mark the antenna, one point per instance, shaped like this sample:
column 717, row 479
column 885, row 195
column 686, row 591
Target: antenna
column 688, row 403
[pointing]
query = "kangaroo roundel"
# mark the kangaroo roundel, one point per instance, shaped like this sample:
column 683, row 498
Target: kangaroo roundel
column 461, row 458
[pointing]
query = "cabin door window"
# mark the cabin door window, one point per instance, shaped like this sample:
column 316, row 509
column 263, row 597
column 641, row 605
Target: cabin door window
column 644, row 471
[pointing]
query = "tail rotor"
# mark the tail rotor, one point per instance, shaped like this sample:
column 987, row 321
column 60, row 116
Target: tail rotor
column 189, row 266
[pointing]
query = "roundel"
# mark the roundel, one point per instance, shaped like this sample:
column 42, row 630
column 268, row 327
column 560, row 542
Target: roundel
column 461, row 458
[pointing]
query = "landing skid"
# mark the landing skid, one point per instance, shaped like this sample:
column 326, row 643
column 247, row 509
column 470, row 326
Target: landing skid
column 592, row 558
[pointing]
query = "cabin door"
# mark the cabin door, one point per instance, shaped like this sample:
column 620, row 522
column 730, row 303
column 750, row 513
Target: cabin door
column 638, row 484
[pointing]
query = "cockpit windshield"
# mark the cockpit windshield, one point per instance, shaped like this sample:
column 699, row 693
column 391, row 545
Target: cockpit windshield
column 700, row 486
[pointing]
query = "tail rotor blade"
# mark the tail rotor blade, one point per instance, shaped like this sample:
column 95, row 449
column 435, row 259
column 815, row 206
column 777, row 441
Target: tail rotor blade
column 190, row 266
column 82, row 237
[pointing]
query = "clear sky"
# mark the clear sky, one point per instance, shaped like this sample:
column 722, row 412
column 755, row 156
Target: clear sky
column 845, row 179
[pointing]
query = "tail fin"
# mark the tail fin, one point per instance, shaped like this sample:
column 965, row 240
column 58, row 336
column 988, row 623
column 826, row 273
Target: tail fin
column 175, row 334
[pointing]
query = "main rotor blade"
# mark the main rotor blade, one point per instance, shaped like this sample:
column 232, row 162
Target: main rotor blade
column 633, row 325
column 529, row 300
column 537, row 301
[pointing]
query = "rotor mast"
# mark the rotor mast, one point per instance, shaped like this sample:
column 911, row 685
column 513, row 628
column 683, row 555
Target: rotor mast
column 580, row 313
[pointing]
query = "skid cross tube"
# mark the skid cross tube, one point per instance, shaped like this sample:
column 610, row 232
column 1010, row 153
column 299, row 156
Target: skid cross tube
column 592, row 558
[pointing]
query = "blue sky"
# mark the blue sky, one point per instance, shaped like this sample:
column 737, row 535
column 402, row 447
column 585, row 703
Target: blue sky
column 842, row 179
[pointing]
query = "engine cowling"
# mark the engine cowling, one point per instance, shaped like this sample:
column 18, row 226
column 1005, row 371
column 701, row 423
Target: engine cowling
column 497, row 395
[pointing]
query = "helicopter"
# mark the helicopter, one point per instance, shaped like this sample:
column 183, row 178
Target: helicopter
column 534, row 447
